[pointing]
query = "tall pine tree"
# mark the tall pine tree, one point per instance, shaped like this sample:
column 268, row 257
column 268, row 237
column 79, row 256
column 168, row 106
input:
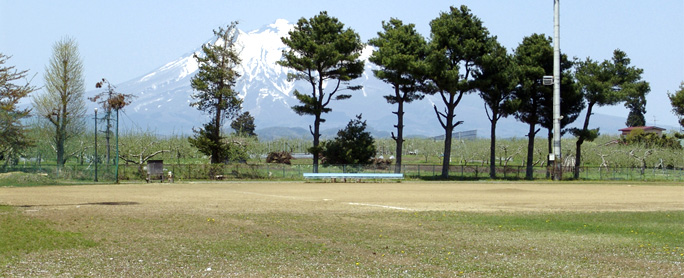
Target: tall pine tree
column 400, row 52
column 322, row 51
column 496, row 82
column 214, row 91
column 572, row 104
column 607, row 83
column 459, row 40
column 534, row 57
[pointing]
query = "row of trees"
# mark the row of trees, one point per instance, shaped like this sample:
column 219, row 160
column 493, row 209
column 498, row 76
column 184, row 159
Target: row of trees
column 461, row 57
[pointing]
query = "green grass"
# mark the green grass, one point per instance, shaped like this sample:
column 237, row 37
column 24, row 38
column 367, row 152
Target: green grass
column 20, row 235
column 385, row 244
column 20, row 179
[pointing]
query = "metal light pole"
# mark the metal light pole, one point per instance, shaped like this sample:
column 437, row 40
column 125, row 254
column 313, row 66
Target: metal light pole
column 557, row 175
column 96, row 144
column 116, row 159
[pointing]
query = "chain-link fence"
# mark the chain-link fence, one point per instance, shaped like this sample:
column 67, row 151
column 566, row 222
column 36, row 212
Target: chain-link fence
column 242, row 171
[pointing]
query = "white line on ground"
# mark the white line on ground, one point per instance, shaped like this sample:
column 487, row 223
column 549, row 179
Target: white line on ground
column 267, row 195
column 379, row 206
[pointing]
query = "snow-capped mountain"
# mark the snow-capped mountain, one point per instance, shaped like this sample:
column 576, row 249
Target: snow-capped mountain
column 163, row 96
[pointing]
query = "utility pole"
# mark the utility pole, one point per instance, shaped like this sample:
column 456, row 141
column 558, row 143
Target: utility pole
column 557, row 174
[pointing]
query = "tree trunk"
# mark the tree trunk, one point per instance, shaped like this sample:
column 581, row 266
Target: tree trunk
column 529, row 172
column 60, row 151
column 400, row 131
column 448, row 132
column 447, row 148
column 580, row 141
column 578, row 156
column 216, row 150
column 492, row 147
column 316, row 135
column 317, row 120
column 61, row 139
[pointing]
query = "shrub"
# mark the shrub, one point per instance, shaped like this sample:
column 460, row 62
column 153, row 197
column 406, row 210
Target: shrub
column 650, row 140
column 382, row 164
column 279, row 157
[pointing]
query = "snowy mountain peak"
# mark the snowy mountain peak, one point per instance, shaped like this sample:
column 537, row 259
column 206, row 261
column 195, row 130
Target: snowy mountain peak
column 263, row 84
column 164, row 95
column 280, row 26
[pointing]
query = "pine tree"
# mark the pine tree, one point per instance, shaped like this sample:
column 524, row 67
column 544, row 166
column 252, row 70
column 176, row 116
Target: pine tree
column 400, row 52
column 244, row 125
column 496, row 82
column 322, row 51
column 352, row 146
column 534, row 57
column 608, row 83
column 214, row 91
column 459, row 40
column 677, row 102
column 628, row 80
column 571, row 105
column 596, row 84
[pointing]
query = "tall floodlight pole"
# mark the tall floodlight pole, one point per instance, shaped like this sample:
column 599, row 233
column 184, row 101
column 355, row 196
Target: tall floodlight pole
column 116, row 159
column 557, row 175
column 96, row 144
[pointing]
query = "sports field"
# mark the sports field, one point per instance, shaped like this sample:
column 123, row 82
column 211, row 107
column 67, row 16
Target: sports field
column 416, row 229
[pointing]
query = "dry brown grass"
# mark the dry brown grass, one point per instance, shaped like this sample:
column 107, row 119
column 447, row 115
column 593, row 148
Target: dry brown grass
column 355, row 229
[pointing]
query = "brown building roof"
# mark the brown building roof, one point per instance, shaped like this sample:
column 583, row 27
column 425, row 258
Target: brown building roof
column 644, row 128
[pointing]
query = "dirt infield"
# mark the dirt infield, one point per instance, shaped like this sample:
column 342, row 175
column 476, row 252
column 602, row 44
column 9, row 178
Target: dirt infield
column 312, row 197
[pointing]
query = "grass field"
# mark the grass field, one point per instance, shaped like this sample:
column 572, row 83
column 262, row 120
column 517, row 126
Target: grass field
column 286, row 229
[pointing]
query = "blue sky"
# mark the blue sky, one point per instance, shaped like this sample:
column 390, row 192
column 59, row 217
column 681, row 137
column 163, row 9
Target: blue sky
column 122, row 40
